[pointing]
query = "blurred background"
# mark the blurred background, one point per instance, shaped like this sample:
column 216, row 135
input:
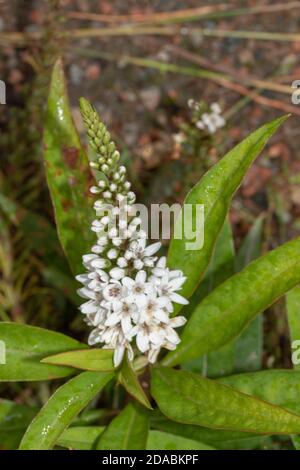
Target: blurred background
column 141, row 63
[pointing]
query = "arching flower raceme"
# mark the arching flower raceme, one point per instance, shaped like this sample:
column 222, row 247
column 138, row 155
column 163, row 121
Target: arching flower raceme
column 128, row 291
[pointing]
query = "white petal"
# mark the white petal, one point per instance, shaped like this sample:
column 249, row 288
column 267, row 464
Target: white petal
column 126, row 324
column 138, row 264
column 141, row 300
column 128, row 282
column 162, row 262
column 94, row 337
column 88, row 258
column 118, row 355
column 161, row 316
column 151, row 249
column 141, row 277
column 89, row 307
column 86, row 293
column 177, row 321
column 112, row 319
column 82, row 278
column 178, row 299
column 172, row 336
column 142, row 341
column 152, row 355
column 99, row 263
column 130, row 354
column 117, row 273
column 177, row 282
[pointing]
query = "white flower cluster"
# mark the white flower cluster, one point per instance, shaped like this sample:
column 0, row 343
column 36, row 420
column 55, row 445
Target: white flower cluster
column 211, row 121
column 129, row 292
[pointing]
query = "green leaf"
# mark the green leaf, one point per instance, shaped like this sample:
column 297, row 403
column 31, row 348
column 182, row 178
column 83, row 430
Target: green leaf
column 189, row 398
column 86, row 359
column 221, row 266
column 249, row 346
column 68, row 174
column 279, row 387
column 128, row 431
column 129, row 380
column 224, row 313
column 14, row 419
column 158, row 440
column 25, row 347
column 59, row 411
column 215, row 191
column 251, row 246
column 293, row 311
column 217, row 438
column 80, row 437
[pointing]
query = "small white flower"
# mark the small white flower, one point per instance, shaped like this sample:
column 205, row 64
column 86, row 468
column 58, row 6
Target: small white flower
column 138, row 289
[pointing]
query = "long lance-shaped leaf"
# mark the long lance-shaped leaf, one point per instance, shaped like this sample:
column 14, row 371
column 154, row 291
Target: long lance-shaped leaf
column 158, row 440
column 192, row 399
column 25, row 346
column 86, row 359
column 68, row 174
column 279, row 387
column 128, row 378
column 128, row 431
column 80, row 437
column 221, row 267
column 224, row 313
column 293, row 312
column 61, row 408
column 217, row 438
column 214, row 191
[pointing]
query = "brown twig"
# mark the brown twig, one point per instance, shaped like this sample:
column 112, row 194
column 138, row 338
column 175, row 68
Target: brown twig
column 159, row 17
column 191, row 14
column 247, row 79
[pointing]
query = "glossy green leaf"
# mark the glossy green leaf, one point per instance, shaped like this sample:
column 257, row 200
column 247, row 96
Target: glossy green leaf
column 249, row 346
column 158, row 440
column 68, row 174
column 86, row 359
column 279, row 387
column 129, row 380
column 80, row 437
column 215, row 191
column 14, row 419
column 128, row 431
column 25, row 347
column 217, row 438
column 224, row 313
column 293, row 312
column 189, row 398
column 59, row 411
column 221, row 266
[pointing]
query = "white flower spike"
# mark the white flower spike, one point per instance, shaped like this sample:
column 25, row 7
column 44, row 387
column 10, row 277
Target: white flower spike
column 129, row 292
